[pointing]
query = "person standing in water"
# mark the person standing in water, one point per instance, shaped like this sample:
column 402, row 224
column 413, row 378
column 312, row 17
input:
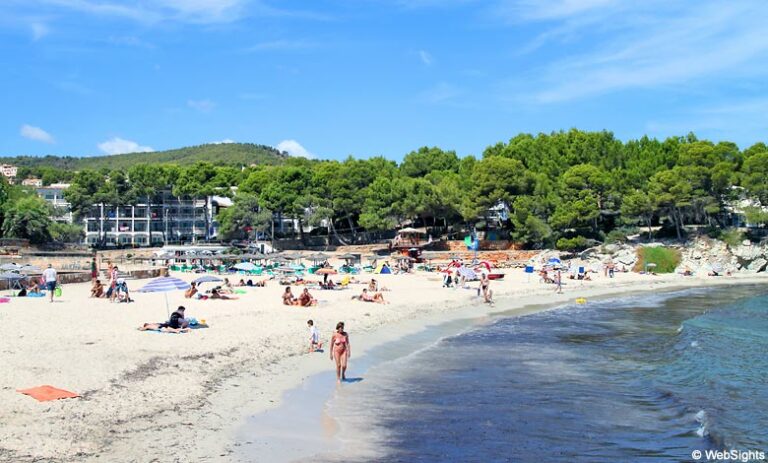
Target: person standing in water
column 340, row 351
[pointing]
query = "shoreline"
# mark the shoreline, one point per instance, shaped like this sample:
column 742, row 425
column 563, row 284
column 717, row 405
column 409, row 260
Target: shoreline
column 157, row 397
column 299, row 374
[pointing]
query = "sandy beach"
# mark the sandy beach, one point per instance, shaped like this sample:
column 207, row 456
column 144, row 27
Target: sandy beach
column 149, row 396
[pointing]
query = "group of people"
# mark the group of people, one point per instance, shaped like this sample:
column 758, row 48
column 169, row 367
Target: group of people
column 49, row 281
column 340, row 350
column 220, row 292
column 305, row 299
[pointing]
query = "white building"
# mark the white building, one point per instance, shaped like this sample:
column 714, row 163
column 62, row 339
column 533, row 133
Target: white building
column 33, row 182
column 165, row 220
column 9, row 171
column 54, row 194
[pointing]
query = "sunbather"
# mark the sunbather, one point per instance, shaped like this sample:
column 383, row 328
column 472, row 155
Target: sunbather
column 306, row 299
column 176, row 324
column 375, row 297
column 98, row 289
column 289, row 298
column 191, row 291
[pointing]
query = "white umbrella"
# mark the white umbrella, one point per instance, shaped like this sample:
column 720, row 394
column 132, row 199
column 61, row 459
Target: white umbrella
column 164, row 285
column 245, row 266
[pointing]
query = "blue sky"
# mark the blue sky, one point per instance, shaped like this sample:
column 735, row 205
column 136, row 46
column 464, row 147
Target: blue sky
column 332, row 78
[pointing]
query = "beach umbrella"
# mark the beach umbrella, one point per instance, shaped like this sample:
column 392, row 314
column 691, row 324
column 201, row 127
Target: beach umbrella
column 245, row 266
column 12, row 278
column 29, row 268
column 10, row 267
column 207, row 279
column 164, row 285
column 467, row 273
column 409, row 230
column 326, row 271
column 554, row 260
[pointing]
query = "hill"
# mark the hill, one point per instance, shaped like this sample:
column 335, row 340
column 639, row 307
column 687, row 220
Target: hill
column 220, row 154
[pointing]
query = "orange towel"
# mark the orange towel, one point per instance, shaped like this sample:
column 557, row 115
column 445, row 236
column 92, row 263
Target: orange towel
column 46, row 393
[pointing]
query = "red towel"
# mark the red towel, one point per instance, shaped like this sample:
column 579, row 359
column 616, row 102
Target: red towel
column 46, row 393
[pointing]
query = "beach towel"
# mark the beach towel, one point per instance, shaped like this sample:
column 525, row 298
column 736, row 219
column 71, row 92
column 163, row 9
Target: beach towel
column 5, row 300
column 46, row 393
column 40, row 294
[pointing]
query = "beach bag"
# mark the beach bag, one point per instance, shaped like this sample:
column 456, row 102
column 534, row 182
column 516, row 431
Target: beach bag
column 57, row 292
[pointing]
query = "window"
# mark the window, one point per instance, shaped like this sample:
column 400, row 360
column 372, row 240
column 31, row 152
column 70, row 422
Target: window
column 140, row 226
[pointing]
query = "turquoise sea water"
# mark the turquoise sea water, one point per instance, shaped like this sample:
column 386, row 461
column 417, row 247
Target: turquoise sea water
column 647, row 378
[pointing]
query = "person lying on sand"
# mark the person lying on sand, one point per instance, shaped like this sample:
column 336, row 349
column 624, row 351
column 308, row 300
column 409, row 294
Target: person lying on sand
column 190, row 293
column 306, row 299
column 176, row 324
column 97, row 290
column 216, row 294
column 242, row 283
column 289, row 298
column 328, row 285
column 368, row 297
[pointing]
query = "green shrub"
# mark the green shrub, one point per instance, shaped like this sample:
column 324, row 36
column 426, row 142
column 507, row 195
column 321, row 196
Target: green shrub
column 576, row 243
column 666, row 259
column 618, row 235
column 732, row 237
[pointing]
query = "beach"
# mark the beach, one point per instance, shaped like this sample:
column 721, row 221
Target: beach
column 148, row 396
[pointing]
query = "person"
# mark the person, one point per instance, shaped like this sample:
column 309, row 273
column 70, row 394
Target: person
column 177, row 323
column 242, row 283
column 112, row 291
column 306, row 299
column 314, row 337
column 329, row 285
column 51, row 278
column 611, row 270
column 341, row 350
column 375, row 297
column 288, row 297
column 190, row 293
column 215, row 294
column 94, row 270
column 121, row 291
column 98, row 289
column 484, row 288
column 559, row 282
column 33, row 287
column 373, row 286
column 226, row 287
column 447, row 280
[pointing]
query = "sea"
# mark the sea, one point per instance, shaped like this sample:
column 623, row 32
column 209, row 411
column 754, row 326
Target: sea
column 632, row 379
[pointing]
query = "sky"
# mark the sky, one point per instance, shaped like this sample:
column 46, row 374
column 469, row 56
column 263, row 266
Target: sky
column 331, row 78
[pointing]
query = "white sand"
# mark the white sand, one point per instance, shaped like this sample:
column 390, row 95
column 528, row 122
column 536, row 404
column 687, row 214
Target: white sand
column 181, row 397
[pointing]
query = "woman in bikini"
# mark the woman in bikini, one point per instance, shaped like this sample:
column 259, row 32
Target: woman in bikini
column 340, row 351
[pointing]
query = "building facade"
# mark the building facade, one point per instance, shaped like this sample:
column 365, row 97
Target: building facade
column 33, row 182
column 8, row 171
column 165, row 220
column 54, row 195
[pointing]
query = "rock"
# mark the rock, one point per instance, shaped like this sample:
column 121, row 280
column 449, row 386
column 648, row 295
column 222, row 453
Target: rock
column 757, row 265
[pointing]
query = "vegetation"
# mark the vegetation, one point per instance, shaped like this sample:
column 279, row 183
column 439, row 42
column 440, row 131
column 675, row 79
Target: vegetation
column 666, row 259
column 52, row 169
column 567, row 189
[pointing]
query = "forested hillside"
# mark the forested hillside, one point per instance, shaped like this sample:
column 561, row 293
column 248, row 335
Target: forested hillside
column 225, row 154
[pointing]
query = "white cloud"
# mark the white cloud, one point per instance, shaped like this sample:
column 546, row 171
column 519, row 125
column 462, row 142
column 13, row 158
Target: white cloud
column 293, row 148
column 425, row 57
column 226, row 141
column 117, row 145
column 39, row 30
column 35, row 133
column 441, row 93
column 203, row 106
column 281, row 45
column 673, row 46
column 194, row 11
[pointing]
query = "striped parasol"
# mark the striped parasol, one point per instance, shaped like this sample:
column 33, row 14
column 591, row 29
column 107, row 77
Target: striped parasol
column 164, row 285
